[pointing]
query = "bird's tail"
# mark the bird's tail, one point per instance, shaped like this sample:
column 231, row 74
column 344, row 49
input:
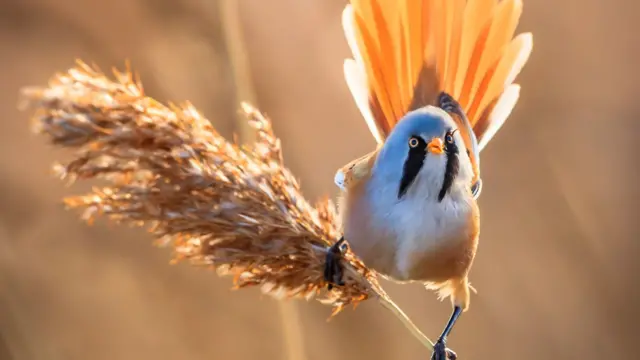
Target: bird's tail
column 406, row 52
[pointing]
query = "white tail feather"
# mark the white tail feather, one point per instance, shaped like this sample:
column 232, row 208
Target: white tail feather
column 357, row 83
column 350, row 34
column 523, row 56
column 500, row 113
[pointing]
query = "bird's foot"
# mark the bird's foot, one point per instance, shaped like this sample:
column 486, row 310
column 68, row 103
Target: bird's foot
column 333, row 270
column 441, row 352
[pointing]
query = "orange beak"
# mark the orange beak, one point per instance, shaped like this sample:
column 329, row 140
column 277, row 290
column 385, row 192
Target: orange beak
column 436, row 146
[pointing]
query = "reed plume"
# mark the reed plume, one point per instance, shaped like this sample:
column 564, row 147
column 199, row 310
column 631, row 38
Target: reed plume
column 216, row 203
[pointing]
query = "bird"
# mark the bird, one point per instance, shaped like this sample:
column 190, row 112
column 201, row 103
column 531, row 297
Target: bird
column 434, row 81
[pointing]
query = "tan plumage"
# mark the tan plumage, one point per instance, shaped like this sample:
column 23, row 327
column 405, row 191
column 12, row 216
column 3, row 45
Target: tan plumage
column 405, row 52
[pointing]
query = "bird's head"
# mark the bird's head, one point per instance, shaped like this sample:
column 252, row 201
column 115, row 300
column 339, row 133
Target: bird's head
column 424, row 155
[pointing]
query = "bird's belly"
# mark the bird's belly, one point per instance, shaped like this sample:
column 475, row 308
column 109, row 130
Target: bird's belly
column 425, row 244
column 436, row 243
column 405, row 259
column 375, row 246
column 434, row 260
column 376, row 250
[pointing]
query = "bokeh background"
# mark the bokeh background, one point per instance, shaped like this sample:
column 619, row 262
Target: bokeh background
column 557, row 266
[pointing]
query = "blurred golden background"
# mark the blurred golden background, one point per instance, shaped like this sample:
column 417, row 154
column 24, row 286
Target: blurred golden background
column 556, row 270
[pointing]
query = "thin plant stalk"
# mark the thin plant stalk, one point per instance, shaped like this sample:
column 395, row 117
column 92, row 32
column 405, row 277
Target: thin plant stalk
column 293, row 339
column 388, row 304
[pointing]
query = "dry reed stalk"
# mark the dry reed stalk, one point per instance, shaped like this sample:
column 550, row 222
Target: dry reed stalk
column 293, row 339
column 235, row 208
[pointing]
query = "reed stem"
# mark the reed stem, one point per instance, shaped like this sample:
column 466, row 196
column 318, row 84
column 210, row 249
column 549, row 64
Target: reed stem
column 388, row 304
column 293, row 336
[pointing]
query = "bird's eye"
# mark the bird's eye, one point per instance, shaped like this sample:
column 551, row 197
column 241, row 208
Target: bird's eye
column 449, row 138
column 413, row 142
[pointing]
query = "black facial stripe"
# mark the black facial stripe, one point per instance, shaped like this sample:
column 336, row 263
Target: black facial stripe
column 447, row 103
column 412, row 165
column 451, row 169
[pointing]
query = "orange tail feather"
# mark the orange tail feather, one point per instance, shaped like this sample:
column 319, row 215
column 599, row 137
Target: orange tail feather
column 467, row 44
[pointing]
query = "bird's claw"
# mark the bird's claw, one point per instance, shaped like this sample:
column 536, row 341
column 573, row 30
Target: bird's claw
column 333, row 270
column 441, row 352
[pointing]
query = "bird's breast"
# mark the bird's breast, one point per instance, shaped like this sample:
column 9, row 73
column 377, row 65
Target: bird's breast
column 436, row 241
column 403, row 238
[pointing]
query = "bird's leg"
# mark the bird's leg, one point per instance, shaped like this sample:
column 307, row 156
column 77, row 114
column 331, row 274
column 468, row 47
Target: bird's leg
column 440, row 351
column 333, row 270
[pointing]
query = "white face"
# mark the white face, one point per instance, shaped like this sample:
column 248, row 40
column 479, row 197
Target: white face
column 424, row 155
column 431, row 177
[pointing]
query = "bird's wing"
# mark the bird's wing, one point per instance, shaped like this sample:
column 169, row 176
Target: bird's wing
column 406, row 52
column 356, row 170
